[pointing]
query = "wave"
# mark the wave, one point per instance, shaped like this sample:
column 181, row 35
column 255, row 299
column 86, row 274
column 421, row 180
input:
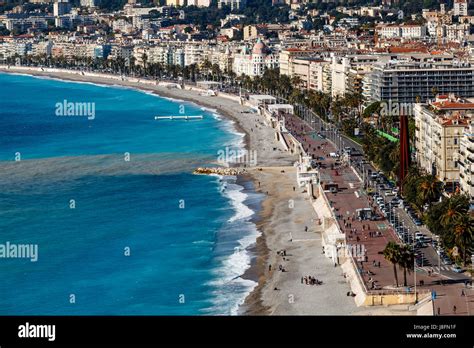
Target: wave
column 231, row 289
column 237, row 199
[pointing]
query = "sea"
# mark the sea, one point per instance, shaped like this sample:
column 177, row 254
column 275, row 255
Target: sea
column 107, row 196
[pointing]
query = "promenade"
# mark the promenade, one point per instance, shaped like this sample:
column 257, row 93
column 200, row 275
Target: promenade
column 376, row 272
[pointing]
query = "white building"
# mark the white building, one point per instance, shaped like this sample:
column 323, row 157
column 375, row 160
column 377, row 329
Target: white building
column 466, row 162
column 233, row 4
column 408, row 31
column 61, row 7
column 439, row 128
column 88, row 3
column 255, row 62
column 460, row 7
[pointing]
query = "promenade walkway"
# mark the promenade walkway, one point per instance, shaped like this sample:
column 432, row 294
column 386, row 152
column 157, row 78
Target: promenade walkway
column 376, row 272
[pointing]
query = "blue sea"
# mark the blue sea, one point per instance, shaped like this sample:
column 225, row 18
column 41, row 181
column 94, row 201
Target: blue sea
column 121, row 224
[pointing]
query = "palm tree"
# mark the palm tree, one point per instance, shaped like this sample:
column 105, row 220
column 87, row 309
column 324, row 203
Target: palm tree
column 428, row 190
column 463, row 235
column 391, row 253
column 456, row 208
column 407, row 258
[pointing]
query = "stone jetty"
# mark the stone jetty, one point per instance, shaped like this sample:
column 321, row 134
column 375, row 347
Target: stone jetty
column 220, row 171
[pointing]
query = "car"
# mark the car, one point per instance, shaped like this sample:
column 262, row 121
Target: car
column 417, row 222
column 420, row 244
column 457, row 269
column 419, row 236
column 447, row 261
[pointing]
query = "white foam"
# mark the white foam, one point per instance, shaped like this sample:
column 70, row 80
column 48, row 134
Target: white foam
column 231, row 288
column 237, row 197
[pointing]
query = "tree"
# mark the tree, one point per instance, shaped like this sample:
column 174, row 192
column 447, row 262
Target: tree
column 463, row 235
column 406, row 261
column 456, row 207
column 429, row 189
column 392, row 254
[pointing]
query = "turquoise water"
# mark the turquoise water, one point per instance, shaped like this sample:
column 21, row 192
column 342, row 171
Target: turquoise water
column 121, row 225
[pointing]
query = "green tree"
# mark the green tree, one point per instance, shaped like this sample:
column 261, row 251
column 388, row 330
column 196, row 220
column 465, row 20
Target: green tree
column 406, row 261
column 392, row 254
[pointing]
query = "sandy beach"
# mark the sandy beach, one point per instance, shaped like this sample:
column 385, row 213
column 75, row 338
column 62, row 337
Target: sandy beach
column 285, row 213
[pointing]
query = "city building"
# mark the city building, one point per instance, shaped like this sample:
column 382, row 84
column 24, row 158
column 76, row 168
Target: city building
column 233, row 4
column 61, row 7
column 460, row 7
column 466, row 161
column 254, row 63
column 439, row 128
column 418, row 78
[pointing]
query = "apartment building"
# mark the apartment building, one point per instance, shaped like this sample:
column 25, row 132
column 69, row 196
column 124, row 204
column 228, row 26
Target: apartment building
column 288, row 55
column 407, row 31
column 460, row 7
column 466, row 161
column 407, row 79
column 439, row 129
column 253, row 32
column 348, row 72
column 233, row 4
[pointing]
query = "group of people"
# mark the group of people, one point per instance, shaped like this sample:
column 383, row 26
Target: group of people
column 309, row 280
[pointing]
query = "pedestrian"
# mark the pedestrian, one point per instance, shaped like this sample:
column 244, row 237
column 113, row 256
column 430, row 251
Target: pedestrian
column 374, row 263
column 306, row 228
column 439, row 311
column 379, row 264
column 454, row 309
column 302, row 280
column 269, row 268
column 462, row 292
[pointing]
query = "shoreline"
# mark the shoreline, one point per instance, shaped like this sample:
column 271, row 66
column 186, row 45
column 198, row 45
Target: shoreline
column 253, row 303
